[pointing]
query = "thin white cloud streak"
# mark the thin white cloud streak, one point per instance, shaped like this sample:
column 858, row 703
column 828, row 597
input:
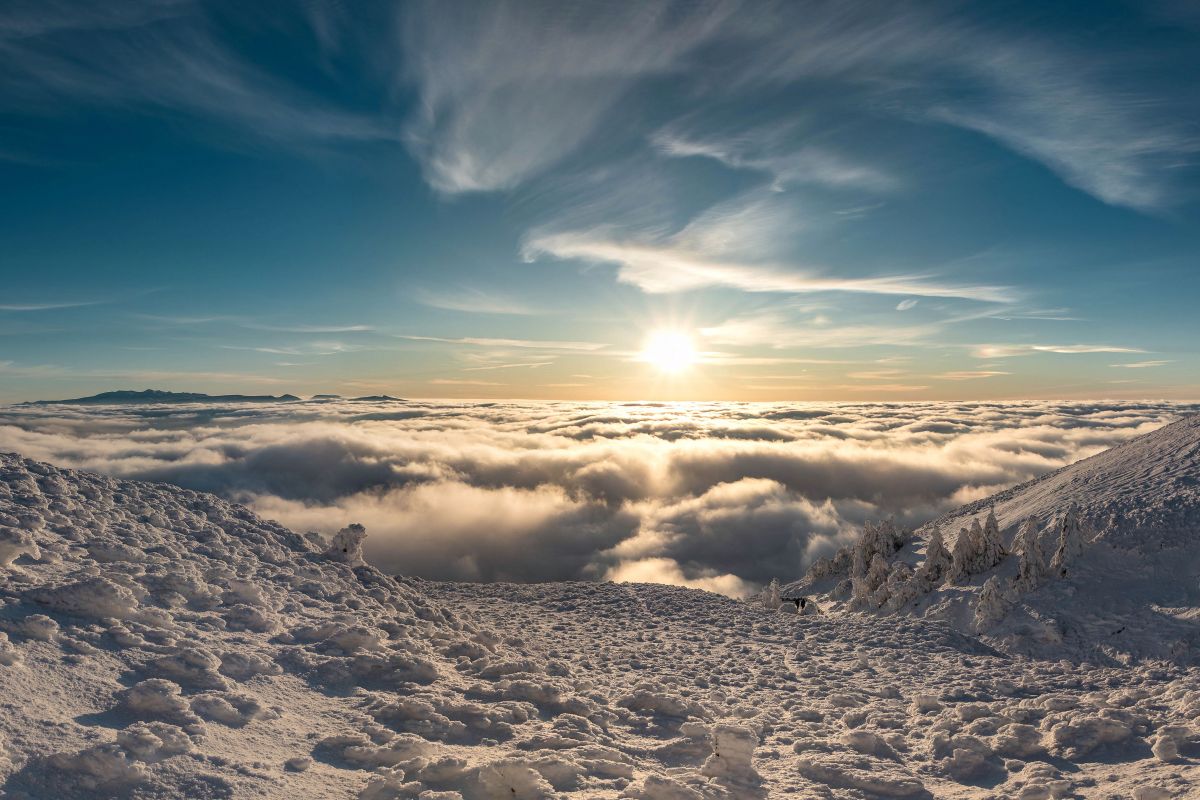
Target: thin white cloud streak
column 310, row 349
column 969, row 375
column 1063, row 112
column 781, row 330
column 473, row 301
column 1142, row 364
column 1011, row 350
column 27, row 307
column 308, row 328
column 510, row 365
column 531, row 344
column 666, row 268
column 787, row 166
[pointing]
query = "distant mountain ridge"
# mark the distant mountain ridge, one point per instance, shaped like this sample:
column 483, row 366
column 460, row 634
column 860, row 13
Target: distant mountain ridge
column 154, row 396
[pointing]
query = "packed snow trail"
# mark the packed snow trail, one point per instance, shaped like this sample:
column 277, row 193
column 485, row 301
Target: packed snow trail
column 162, row 643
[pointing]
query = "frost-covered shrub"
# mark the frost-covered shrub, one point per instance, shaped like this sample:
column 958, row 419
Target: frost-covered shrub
column 976, row 549
column 1031, row 569
column 838, row 564
column 991, row 606
column 771, row 598
column 869, row 568
column 1071, row 540
column 346, row 545
column 938, row 561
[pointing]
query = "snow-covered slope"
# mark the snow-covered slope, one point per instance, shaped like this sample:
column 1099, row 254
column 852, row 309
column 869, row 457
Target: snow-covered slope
column 163, row 643
column 1117, row 575
column 1143, row 495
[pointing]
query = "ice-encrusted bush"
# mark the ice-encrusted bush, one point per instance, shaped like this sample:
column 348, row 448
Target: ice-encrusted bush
column 1031, row 567
column 938, row 561
column 991, row 606
column 771, row 597
column 869, row 569
column 976, row 549
column 346, row 545
column 1071, row 540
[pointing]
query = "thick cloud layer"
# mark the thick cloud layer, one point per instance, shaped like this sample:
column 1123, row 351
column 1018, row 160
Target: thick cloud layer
column 717, row 495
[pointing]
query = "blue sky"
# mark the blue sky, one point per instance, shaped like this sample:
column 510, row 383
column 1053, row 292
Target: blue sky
column 825, row 200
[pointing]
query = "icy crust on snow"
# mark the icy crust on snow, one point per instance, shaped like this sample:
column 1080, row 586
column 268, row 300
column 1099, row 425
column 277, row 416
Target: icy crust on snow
column 156, row 642
column 1098, row 560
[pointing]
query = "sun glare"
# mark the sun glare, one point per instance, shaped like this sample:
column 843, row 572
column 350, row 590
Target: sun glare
column 671, row 352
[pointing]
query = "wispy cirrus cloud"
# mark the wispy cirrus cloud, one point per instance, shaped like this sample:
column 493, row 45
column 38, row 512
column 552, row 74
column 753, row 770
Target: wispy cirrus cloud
column 166, row 57
column 512, row 88
column 531, row 344
column 1142, row 364
column 509, row 93
column 509, row 365
column 461, row 382
column 23, row 307
column 672, row 266
column 969, row 375
column 1011, row 350
column 302, row 328
column 473, row 301
column 773, row 151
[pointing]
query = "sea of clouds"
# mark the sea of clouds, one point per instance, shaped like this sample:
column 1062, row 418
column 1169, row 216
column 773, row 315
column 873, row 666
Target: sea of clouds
column 723, row 496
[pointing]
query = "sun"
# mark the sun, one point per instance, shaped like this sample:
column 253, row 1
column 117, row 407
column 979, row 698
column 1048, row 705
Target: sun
column 670, row 352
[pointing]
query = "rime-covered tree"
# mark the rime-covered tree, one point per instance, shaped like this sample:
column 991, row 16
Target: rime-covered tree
column 771, row 598
column 866, row 584
column 902, row 587
column 881, row 538
column 938, row 561
column 992, row 604
column 1071, row 540
column 1031, row 570
column 976, row 549
column 876, row 582
column 991, row 544
column 962, row 555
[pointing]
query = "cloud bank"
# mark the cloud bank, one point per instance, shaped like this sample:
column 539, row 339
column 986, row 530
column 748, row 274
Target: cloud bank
column 723, row 496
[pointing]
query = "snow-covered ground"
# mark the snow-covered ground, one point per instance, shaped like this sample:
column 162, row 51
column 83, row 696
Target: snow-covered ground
column 159, row 642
